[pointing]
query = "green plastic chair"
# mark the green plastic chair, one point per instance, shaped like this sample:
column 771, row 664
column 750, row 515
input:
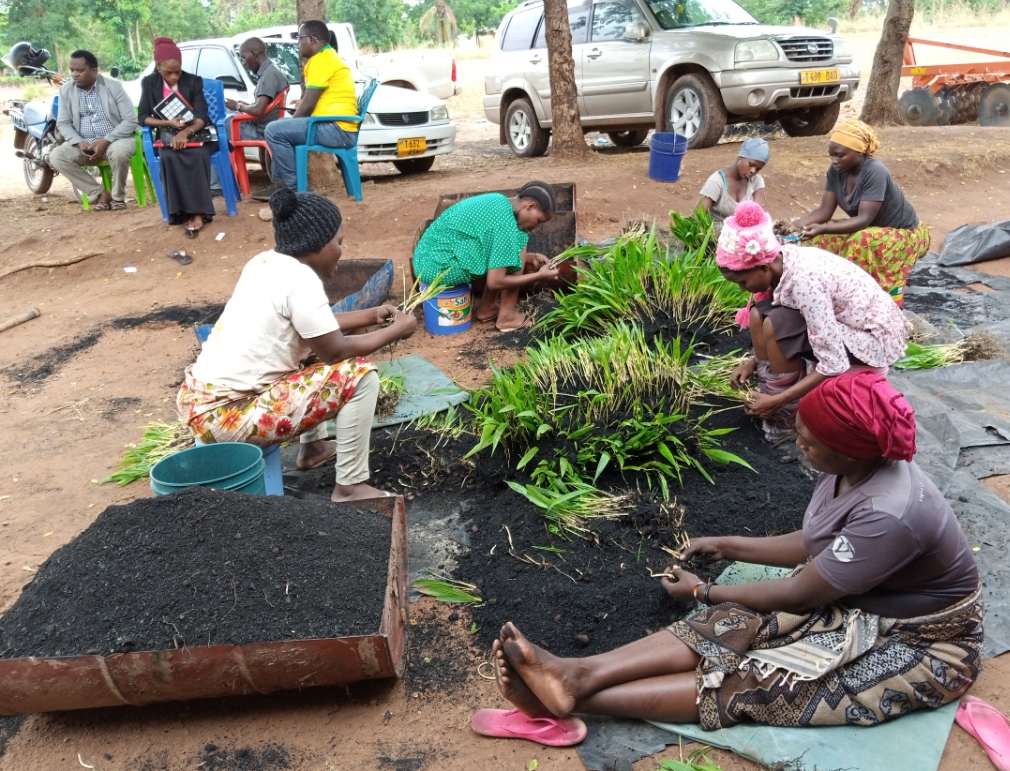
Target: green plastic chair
column 142, row 182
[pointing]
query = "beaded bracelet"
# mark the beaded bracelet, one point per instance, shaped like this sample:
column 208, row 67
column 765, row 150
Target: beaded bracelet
column 700, row 583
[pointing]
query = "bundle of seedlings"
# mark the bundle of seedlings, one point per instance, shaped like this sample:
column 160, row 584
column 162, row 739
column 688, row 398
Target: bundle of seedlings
column 159, row 441
column 613, row 402
column 978, row 346
column 636, row 280
column 695, row 230
column 391, row 388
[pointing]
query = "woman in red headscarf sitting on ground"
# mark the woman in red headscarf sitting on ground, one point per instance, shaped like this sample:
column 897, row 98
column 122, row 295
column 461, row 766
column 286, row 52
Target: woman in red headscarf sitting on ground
column 812, row 307
column 185, row 170
column 882, row 617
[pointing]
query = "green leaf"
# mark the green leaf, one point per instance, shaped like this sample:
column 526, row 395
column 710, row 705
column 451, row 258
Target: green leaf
column 604, row 460
column 532, row 451
column 722, row 456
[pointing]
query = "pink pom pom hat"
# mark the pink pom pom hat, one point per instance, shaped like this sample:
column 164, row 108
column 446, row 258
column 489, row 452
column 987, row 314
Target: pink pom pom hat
column 747, row 240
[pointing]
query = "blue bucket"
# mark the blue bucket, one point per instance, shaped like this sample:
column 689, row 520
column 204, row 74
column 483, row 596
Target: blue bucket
column 224, row 466
column 449, row 312
column 666, row 151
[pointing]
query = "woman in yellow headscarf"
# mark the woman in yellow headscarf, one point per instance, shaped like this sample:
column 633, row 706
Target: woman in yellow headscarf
column 883, row 234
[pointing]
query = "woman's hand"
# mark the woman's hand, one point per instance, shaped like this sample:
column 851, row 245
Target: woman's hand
column 384, row 312
column 175, row 123
column 764, row 406
column 812, row 231
column 711, row 548
column 179, row 140
column 537, row 260
column 683, row 588
column 403, row 324
column 739, row 376
column 547, row 273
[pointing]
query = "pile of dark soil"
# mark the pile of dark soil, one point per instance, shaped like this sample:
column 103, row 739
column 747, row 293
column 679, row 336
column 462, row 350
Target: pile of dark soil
column 205, row 567
column 584, row 596
column 48, row 363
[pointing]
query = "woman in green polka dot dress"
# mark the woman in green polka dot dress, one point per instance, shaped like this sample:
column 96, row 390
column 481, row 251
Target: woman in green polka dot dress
column 485, row 237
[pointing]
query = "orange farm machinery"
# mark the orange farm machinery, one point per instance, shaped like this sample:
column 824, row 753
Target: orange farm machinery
column 951, row 94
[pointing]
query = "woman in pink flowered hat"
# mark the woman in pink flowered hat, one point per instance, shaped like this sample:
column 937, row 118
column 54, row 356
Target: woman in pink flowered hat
column 815, row 316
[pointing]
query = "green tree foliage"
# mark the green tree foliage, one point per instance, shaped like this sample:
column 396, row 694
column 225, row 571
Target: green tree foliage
column 808, row 12
column 45, row 24
column 377, row 24
column 472, row 16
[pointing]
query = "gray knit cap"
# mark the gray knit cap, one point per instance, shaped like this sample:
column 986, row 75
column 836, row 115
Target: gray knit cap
column 303, row 222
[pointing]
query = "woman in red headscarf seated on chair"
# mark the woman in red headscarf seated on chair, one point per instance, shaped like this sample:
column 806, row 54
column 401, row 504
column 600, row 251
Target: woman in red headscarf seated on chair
column 883, row 616
column 185, row 164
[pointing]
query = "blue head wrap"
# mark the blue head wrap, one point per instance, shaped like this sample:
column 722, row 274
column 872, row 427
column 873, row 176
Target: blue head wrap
column 755, row 149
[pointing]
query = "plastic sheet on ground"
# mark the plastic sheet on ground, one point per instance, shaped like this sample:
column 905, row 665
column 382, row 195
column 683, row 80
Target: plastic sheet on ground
column 913, row 743
column 969, row 244
column 427, row 389
column 942, row 296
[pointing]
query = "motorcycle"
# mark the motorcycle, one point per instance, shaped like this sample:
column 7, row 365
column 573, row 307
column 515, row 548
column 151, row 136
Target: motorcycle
column 35, row 134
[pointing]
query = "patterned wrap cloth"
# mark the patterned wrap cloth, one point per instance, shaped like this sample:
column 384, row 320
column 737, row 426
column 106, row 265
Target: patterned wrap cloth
column 290, row 406
column 832, row 666
column 887, row 254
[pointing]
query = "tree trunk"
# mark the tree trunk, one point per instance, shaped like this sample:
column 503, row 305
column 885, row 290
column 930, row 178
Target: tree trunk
column 129, row 40
column 881, row 105
column 323, row 171
column 567, row 140
column 855, row 6
column 140, row 42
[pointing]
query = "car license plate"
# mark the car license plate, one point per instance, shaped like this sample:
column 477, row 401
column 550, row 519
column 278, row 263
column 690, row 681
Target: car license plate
column 412, row 146
column 813, row 77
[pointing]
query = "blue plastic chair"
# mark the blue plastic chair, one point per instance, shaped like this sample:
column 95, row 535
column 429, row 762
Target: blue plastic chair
column 347, row 158
column 213, row 91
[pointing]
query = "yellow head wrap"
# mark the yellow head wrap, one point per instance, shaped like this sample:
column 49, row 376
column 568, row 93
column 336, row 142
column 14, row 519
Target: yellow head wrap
column 857, row 136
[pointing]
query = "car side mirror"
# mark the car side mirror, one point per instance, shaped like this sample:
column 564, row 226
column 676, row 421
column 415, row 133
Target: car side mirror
column 114, row 72
column 637, row 32
column 231, row 82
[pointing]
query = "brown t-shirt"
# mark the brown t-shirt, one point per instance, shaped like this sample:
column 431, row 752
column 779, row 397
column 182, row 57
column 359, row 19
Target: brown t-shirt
column 892, row 543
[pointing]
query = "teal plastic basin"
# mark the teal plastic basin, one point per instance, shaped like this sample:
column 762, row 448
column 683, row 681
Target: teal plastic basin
column 224, row 466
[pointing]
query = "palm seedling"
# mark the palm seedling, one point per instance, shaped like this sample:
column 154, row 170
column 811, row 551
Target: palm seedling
column 978, row 346
column 159, row 441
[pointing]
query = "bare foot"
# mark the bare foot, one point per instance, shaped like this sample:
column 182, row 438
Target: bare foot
column 542, row 672
column 315, row 454
column 512, row 687
column 345, row 493
column 512, row 322
column 195, row 222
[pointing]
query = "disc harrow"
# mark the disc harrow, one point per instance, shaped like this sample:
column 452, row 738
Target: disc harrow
column 954, row 94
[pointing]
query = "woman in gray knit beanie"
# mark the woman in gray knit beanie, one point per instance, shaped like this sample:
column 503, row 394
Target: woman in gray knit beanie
column 251, row 382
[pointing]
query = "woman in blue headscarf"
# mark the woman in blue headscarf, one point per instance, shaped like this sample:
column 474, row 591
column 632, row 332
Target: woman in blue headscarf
column 740, row 181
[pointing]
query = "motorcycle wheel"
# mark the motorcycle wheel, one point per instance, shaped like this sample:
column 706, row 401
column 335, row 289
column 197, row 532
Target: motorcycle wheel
column 38, row 176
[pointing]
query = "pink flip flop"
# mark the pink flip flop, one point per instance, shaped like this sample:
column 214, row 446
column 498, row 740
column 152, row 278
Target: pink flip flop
column 989, row 726
column 513, row 724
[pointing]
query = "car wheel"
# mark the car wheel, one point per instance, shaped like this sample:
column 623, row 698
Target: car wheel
column 523, row 132
column 38, row 176
column 628, row 138
column 415, row 165
column 811, row 122
column 694, row 109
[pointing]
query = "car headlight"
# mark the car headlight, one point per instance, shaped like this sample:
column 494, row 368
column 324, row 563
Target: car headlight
column 440, row 113
column 369, row 118
column 842, row 49
column 756, row 51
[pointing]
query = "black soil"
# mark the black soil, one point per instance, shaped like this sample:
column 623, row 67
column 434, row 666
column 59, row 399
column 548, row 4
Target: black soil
column 42, row 367
column 583, row 596
column 205, row 567
column 267, row 758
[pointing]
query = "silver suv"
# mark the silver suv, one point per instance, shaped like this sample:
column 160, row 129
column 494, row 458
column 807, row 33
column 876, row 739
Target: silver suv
column 691, row 66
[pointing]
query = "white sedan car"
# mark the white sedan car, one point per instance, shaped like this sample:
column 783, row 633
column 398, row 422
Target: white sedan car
column 403, row 127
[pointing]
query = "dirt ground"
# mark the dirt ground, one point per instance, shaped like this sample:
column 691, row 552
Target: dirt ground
column 101, row 383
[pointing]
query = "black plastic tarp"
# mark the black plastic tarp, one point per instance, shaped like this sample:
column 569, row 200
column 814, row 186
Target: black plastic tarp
column 969, row 244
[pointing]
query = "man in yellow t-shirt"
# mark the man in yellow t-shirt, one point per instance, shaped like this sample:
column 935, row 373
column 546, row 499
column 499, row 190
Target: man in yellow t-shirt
column 329, row 90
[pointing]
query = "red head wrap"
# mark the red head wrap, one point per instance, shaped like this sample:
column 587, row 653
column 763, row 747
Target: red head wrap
column 860, row 415
column 166, row 50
